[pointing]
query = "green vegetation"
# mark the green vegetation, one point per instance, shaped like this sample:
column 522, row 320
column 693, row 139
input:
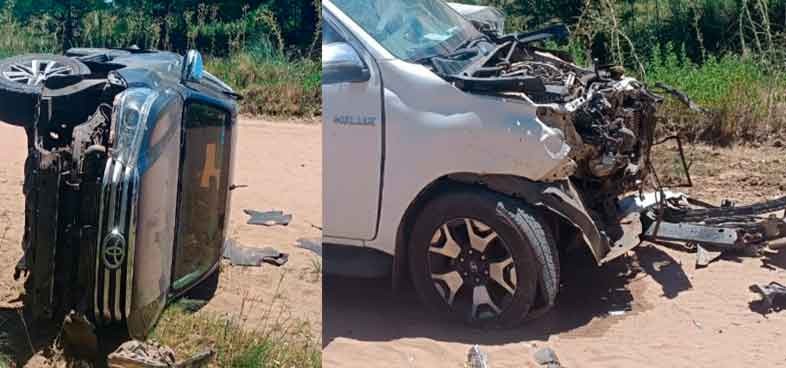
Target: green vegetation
column 272, row 85
column 266, row 49
column 744, row 98
column 728, row 55
column 282, row 343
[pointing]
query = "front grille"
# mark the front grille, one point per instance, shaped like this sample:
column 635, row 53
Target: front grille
column 115, row 245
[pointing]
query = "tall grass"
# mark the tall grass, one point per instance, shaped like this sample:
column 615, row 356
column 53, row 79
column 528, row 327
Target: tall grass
column 16, row 37
column 275, row 340
column 744, row 101
column 284, row 344
column 249, row 53
column 272, row 85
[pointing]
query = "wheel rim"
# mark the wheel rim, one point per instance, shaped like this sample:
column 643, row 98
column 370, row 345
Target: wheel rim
column 472, row 269
column 36, row 71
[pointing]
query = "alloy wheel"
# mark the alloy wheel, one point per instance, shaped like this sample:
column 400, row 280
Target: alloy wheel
column 472, row 268
column 34, row 72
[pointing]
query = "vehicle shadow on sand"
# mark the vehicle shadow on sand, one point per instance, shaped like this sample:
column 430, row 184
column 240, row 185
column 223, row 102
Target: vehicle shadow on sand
column 591, row 299
column 21, row 340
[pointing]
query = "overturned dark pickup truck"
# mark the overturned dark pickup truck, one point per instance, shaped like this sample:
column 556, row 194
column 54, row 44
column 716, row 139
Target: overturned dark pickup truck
column 127, row 181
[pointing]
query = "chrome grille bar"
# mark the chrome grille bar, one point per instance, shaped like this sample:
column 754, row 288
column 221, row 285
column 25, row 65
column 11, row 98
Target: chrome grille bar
column 114, row 285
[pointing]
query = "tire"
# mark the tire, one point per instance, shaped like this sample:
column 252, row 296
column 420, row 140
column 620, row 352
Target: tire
column 512, row 227
column 21, row 98
column 205, row 290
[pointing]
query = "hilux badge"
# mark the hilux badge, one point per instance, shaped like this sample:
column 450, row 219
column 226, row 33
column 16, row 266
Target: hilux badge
column 114, row 250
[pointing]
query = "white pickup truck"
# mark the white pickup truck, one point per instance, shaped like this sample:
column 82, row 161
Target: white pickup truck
column 467, row 160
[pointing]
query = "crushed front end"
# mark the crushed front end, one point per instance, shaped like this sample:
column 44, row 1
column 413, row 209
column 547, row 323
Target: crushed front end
column 609, row 122
column 607, row 119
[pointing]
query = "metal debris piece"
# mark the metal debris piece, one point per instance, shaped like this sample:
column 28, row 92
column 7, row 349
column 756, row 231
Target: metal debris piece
column 138, row 354
column 667, row 231
column 548, row 358
column 253, row 257
column 312, row 244
column 636, row 203
column 706, row 255
column 269, row 218
column 771, row 294
column 724, row 212
column 477, row 358
column 712, row 230
column 681, row 96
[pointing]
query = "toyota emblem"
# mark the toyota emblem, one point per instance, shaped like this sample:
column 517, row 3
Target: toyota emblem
column 114, row 250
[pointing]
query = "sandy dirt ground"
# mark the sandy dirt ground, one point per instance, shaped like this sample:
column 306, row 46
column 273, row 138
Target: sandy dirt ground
column 282, row 165
column 652, row 308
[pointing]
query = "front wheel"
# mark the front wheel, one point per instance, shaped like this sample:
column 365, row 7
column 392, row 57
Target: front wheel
column 479, row 257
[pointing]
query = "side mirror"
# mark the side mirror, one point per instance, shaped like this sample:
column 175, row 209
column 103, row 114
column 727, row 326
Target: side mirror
column 342, row 64
column 193, row 67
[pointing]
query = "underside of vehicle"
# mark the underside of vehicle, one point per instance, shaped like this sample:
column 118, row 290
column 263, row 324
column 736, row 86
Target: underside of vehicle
column 68, row 119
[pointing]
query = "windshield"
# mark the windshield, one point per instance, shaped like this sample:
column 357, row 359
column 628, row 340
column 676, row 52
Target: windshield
column 411, row 29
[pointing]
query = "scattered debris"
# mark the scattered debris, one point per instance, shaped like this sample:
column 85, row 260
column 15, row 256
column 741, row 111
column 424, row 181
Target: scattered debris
column 138, row 354
column 247, row 256
column 773, row 295
column 269, row 218
column 312, row 244
column 477, row 358
column 548, row 358
column 715, row 229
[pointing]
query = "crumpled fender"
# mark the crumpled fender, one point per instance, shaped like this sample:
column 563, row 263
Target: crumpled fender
column 559, row 197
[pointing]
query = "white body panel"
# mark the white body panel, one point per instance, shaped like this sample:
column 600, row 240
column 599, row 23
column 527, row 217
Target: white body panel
column 431, row 129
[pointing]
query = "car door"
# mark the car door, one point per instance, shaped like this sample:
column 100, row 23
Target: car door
column 353, row 134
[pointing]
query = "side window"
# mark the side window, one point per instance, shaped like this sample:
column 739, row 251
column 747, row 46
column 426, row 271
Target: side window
column 204, row 189
column 329, row 34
